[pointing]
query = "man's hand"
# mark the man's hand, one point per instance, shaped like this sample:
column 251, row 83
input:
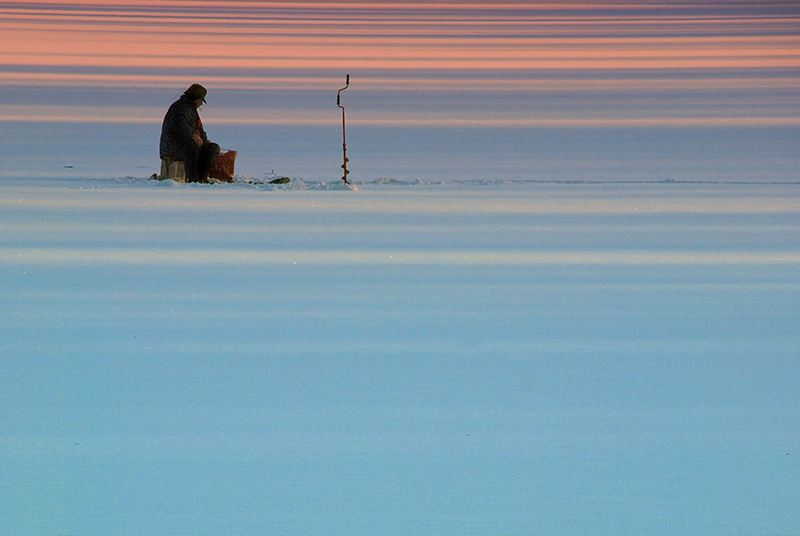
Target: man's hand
column 197, row 140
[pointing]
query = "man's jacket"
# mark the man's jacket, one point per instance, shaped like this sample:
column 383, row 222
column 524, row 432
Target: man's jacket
column 180, row 124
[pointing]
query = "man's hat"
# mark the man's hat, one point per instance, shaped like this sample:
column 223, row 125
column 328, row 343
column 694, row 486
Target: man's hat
column 196, row 91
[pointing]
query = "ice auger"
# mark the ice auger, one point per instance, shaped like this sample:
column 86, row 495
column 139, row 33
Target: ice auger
column 344, row 132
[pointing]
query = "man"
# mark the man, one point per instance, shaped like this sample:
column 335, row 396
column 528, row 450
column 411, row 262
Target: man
column 183, row 137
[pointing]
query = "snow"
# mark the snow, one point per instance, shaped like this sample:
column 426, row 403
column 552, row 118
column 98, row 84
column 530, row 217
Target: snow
column 415, row 357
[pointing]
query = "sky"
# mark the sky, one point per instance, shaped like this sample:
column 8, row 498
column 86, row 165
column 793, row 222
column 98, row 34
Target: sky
column 413, row 66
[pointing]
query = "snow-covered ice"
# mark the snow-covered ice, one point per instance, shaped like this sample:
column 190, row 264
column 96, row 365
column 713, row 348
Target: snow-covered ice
column 412, row 358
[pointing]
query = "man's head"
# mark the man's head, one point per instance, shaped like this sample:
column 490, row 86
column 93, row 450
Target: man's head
column 197, row 94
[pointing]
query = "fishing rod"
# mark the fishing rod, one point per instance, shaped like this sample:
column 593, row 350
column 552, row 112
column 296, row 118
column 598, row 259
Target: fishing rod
column 344, row 132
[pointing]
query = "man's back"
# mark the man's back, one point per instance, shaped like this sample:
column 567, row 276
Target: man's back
column 181, row 123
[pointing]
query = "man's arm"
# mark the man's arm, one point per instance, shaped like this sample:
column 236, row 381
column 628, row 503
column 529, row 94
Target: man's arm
column 200, row 131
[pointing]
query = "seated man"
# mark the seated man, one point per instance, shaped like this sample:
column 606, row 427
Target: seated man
column 183, row 137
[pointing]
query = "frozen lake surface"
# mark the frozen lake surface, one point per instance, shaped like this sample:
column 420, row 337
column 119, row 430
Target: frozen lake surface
column 406, row 359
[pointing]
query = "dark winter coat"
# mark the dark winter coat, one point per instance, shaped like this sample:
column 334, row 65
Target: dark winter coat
column 180, row 124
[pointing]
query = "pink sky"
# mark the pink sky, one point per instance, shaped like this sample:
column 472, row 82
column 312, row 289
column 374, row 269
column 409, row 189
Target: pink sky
column 267, row 35
column 268, row 45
